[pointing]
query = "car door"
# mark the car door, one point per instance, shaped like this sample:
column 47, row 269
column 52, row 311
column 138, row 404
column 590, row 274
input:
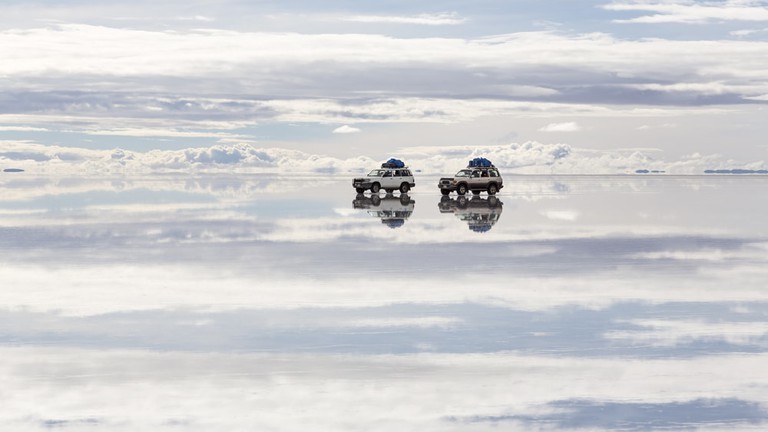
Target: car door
column 388, row 180
column 475, row 181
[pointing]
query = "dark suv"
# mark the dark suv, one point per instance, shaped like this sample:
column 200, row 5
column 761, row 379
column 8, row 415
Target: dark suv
column 473, row 179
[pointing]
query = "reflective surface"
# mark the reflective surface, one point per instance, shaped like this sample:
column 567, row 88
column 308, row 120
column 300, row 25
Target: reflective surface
column 253, row 303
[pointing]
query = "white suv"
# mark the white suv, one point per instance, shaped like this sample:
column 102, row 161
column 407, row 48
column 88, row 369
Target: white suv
column 389, row 179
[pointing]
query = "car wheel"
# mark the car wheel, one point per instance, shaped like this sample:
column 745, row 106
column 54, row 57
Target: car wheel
column 404, row 188
column 493, row 202
column 375, row 188
column 462, row 189
column 462, row 202
column 359, row 190
column 375, row 200
column 445, row 192
column 492, row 189
column 405, row 199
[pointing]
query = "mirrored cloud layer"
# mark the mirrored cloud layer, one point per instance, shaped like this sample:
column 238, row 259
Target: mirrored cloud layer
column 602, row 301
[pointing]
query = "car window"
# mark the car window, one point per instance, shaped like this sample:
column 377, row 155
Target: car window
column 494, row 173
column 463, row 173
column 388, row 174
column 375, row 173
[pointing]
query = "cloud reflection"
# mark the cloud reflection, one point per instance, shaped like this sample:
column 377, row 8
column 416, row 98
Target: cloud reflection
column 629, row 290
column 627, row 416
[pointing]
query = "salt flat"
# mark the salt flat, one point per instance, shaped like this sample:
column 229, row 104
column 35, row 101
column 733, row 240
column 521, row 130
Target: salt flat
column 248, row 302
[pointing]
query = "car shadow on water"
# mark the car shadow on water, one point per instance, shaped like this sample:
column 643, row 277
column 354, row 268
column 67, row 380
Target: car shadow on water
column 392, row 210
column 480, row 214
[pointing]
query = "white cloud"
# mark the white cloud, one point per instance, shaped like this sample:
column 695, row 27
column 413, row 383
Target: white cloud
column 346, row 129
column 218, row 62
column 561, row 215
column 748, row 32
column 200, row 18
column 527, row 158
column 561, row 127
column 659, row 332
column 129, row 390
column 658, row 126
column 420, row 322
column 22, row 129
column 447, row 18
column 676, row 11
column 151, row 132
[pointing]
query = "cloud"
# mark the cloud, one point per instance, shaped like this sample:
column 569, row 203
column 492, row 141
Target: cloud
column 659, row 332
column 589, row 414
column 561, row 215
column 346, row 129
column 428, row 392
column 446, row 18
column 22, row 129
column 97, row 77
column 527, row 158
column 758, row 98
column 676, row 11
column 561, row 127
column 748, row 32
column 200, row 18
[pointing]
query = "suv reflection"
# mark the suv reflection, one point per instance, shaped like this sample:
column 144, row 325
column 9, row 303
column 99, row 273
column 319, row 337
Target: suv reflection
column 393, row 211
column 480, row 214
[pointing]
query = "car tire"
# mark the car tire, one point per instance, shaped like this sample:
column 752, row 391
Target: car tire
column 404, row 188
column 492, row 189
column 359, row 190
column 375, row 188
column 462, row 189
column 445, row 192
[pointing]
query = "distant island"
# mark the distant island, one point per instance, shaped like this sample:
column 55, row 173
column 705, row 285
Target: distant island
column 735, row 171
column 13, row 170
column 645, row 171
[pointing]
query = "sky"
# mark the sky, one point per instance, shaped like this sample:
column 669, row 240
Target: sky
column 649, row 83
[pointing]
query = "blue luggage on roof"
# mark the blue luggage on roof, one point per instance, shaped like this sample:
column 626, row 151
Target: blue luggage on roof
column 480, row 162
column 393, row 163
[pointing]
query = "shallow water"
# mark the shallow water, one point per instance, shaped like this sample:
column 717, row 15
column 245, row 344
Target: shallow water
column 240, row 302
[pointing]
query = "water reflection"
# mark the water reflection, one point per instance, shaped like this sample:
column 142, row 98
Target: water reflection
column 392, row 210
column 602, row 303
column 480, row 214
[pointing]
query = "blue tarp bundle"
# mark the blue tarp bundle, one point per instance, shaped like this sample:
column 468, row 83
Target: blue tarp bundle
column 393, row 163
column 480, row 162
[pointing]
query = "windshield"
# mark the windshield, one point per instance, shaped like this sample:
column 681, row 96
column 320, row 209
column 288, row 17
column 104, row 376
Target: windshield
column 376, row 173
column 463, row 173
